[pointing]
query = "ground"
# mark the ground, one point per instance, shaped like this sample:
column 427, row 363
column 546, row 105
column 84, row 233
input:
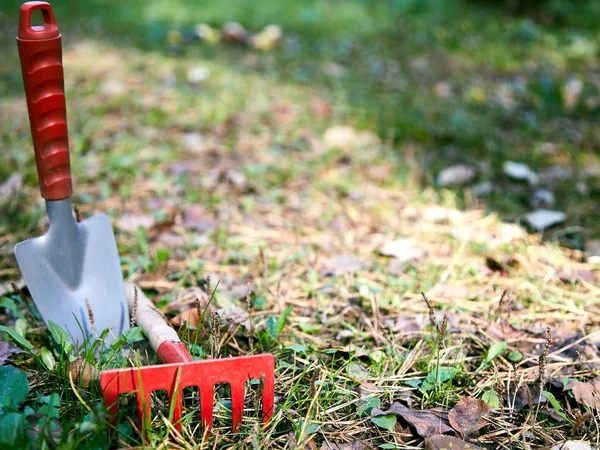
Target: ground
column 296, row 191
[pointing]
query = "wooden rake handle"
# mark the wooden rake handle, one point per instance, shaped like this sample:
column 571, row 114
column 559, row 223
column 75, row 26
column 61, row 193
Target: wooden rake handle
column 163, row 338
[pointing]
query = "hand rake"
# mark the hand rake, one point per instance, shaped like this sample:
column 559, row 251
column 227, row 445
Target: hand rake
column 181, row 371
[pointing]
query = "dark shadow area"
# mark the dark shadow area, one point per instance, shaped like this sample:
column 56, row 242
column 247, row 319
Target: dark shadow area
column 460, row 83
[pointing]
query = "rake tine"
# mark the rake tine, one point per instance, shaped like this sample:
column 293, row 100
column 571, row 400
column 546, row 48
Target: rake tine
column 238, row 391
column 206, row 405
column 176, row 402
column 268, row 392
column 144, row 412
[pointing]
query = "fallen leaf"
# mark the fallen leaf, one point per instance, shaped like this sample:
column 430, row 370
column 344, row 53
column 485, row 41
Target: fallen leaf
column 83, row 372
column 268, row 39
column 541, row 219
column 320, row 107
column 198, row 218
column 131, row 222
column 402, row 249
column 520, row 171
column 234, row 33
column 525, row 397
column 333, row 69
column 469, row 415
column 236, row 179
column 571, row 92
column 572, row 445
column 592, row 248
column 426, row 422
column 11, row 186
column 568, row 275
column 193, row 141
column 449, row 291
column 235, row 315
column 340, row 265
column 339, row 137
column 113, row 87
column 356, row 370
column 407, row 324
column 6, row 350
column 189, row 317
column 586, row 393
column 456, row 175
column 188, row 297
column 442, row 89
column 345, row 336
column 440, row 442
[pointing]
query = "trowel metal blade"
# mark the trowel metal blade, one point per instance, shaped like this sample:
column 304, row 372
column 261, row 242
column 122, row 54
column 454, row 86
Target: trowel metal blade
column 60, row 286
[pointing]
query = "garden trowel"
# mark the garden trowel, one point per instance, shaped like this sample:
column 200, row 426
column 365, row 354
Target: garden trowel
column 73, row 271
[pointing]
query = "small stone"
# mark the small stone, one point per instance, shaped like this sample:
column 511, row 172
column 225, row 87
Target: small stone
column 520, row 171
column 456, row 175
column 542, row 219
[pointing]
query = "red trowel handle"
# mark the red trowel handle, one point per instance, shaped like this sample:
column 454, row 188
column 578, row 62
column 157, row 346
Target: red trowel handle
column 40, row 51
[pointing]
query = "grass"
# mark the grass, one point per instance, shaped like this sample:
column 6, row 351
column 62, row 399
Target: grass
column 234, row 180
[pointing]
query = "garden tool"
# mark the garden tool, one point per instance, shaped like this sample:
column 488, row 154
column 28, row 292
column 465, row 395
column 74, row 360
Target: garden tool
column 73, row 271
column 181, row 371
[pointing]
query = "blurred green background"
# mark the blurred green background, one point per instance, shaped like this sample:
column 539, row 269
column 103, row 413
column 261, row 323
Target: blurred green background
column 445, row 82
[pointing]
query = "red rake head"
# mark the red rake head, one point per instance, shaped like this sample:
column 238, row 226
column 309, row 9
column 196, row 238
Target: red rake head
column 201, row 374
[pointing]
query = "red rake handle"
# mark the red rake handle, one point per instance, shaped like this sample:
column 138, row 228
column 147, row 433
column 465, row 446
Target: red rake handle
column 163, row 338
column 40, row 51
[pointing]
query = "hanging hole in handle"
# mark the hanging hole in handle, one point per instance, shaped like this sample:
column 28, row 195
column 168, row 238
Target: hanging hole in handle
column 39, row 17
column 37, row 21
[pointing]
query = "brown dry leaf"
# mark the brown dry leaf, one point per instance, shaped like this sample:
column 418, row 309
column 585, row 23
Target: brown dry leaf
column 11, row 186
column 441, row 442
column 340, row 265
column 190, row 317
column 6, row 349
column 525, row 397
column 83, row 372
column 198, row 218
column 426, row 422
column 449, row 291
column 469, row 415
column 131, row 222
column 187, row 303
column 235, row 315
column 319, row 107
column 586, row 393
column 403, row 249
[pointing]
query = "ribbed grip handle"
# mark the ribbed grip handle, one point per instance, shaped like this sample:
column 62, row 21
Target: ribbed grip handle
column 40, row 51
